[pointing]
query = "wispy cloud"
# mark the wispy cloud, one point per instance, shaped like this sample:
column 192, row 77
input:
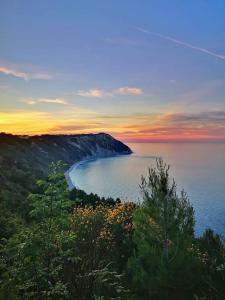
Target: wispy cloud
column 182, row 43
column 53, row 101
column 173, row 126
column 202, row 118
column 77, row 127
column 23, row 122
column 97, row 93
column 28, row 101
column 24, row 75
column 199, row 126
column 32, row 101
column 129, row 91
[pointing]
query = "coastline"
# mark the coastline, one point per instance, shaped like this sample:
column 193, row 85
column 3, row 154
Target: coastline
column 70, row 184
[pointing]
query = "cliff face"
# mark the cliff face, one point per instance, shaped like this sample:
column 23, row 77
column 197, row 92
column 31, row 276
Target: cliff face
column 23, row 159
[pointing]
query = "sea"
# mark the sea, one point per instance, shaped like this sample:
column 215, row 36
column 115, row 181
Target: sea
column 197, row 168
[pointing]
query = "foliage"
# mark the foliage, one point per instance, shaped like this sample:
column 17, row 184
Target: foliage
column 70, row 245
column 211, row 247
column 65, row 252
column 82, row 199
column 35, row 257
column 162, row 266
column 103, row 239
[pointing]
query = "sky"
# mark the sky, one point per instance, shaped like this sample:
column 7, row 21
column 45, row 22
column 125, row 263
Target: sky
column 143, row 71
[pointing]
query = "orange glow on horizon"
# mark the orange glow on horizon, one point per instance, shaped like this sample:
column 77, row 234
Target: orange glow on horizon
column 36, row 123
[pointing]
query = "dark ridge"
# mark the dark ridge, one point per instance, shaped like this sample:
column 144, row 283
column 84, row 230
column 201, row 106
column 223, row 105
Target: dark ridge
column 24, row 159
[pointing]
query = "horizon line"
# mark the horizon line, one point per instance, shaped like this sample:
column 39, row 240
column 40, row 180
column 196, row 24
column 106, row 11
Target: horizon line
column 123, row 139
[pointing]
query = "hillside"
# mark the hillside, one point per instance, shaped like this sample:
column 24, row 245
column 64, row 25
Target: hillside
column 23, row 159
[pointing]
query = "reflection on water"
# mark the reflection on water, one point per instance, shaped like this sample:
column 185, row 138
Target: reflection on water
column 199, row 168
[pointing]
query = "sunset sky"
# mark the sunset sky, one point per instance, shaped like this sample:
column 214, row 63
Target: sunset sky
column 141, row 70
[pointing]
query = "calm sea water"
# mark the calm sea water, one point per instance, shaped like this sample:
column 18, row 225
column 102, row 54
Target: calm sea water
column 198, row 168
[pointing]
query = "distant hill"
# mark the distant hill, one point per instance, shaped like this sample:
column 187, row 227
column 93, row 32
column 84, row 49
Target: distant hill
column 23, row 159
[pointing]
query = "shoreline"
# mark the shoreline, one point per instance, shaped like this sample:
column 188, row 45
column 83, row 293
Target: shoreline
column 70, row 184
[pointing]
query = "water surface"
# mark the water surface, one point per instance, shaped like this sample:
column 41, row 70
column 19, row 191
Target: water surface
column 198, row 168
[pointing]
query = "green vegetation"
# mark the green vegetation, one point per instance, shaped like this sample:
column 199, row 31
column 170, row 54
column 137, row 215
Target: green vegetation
column 70, row 245
column 24, row 159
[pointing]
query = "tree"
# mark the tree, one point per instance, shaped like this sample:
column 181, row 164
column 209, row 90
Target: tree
column 67, row 251
column 37, row 256
column 104, row 246
column 163, row 231
column 212, row 249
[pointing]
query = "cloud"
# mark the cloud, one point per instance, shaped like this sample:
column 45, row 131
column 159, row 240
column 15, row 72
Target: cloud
column 25, row 122
column 31, row 101
column 53, row 101
column 69, row 120
column 129, row 91
column 24, row 75
column 95, row 93
column 131, row 116
column 28, row 101
column 76, row 127
column 208, row 117
column 173, row 126
column 201, row 126
column 179, row 42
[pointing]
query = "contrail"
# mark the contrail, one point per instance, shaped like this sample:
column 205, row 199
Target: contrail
column 187, row 45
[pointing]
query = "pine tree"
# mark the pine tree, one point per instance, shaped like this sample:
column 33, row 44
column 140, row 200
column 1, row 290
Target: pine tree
column 163, row 230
